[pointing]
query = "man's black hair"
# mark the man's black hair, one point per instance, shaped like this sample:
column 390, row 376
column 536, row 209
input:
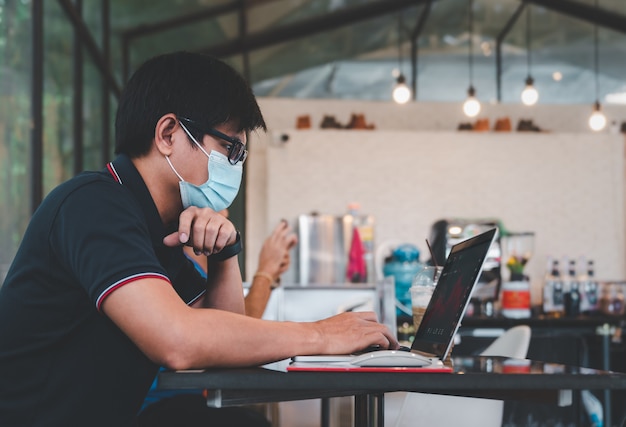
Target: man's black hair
column 196, row 86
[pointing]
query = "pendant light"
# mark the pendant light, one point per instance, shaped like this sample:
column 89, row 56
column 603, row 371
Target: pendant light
column 597, row 120
column 471, row 106
column 401, row 92
column 530, row 96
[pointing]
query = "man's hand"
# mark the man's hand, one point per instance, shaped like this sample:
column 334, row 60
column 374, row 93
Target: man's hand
column 346, row 333
column 207, row 231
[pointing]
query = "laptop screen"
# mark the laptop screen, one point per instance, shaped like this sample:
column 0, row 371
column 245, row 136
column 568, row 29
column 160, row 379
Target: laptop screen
column 452, row 294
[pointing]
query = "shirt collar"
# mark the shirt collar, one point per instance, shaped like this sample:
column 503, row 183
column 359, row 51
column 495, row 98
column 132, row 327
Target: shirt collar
column 124, row 172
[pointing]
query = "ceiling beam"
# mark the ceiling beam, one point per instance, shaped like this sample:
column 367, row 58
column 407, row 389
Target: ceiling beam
column 503, row 33
column 604, row 18
column 307, row 27
column 197, row 16
column 190, row 18
column 417, row 31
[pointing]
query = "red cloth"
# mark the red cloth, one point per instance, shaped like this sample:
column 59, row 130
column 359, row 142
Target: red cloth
column 357, row 270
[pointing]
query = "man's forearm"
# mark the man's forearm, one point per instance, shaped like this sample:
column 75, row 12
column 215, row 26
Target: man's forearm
column 224, row 286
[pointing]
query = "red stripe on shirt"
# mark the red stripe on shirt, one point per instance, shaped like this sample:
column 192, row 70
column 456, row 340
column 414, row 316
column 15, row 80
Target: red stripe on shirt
column 126, row 281
column 113, row 172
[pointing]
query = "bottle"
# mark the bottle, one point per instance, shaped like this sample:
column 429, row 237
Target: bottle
column 403, row 265
column 547, row 287
column 569, row 276
column 553, row 293
column 572, row 300
column 618, row 299
column 605, row 302
column 572, row 295
column 589, row 289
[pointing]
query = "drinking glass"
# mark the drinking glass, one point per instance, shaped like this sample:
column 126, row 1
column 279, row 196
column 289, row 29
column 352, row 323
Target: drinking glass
column 424, row 284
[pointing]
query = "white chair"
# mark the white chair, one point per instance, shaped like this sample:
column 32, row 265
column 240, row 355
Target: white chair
column 513, row 343
column 420, row 409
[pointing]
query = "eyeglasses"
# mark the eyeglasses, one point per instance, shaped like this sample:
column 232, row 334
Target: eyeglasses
column 236, row 150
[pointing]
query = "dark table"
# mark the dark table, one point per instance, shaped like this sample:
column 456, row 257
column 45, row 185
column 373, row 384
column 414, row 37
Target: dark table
column 585, row 340
column 491, row 377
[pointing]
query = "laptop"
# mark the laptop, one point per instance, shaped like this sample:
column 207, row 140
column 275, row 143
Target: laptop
column 434, row 337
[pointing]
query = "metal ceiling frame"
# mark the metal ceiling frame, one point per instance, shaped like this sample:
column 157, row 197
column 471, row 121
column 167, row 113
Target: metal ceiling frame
column 503, row 33
column 128, row 36
column 344, row 17
column 574, row 9
column 340, row 18
column 249, row 42
column 308, row 27
column 245, row 42
column 602, row 17
column 419, row 27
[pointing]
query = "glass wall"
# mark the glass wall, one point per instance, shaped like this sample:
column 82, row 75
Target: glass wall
column 59, row 160
column 15, row 116
column 303, row 49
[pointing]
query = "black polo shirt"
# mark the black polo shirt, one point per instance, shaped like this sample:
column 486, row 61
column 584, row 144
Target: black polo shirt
column 62, row 361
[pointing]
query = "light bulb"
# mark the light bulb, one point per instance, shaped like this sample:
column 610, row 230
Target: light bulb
column 530, row 96
column 597, row 120
column 471, row 106
column 401, row 92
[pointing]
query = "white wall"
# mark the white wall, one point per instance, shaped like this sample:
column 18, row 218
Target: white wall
column 567, row 187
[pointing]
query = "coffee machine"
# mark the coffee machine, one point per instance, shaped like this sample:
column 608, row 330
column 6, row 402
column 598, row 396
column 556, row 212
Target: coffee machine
column 447, row 232
column 324, row 244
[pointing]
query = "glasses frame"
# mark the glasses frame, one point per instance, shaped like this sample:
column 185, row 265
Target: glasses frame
column 236, row 150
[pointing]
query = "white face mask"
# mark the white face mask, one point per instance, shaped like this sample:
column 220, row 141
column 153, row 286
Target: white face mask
column 220, row 189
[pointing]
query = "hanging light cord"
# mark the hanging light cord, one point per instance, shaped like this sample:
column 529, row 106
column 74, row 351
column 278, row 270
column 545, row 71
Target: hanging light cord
column 528, row 58
column 400, row 42
column 595, row 51
column 471, row 41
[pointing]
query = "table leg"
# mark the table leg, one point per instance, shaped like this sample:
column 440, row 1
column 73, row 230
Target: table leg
column 369, row 410
column 605, row 332
column 607, row 366
column 325, row 403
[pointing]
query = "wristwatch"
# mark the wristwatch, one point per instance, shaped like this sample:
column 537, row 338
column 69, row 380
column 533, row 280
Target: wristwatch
column 228, row 251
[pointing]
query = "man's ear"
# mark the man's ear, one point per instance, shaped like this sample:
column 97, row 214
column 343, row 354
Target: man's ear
column 163, row 132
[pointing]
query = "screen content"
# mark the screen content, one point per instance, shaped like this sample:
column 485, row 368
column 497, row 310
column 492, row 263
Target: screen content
column 451, row 294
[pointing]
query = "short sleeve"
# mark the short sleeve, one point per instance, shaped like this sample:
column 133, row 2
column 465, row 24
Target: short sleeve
column 100, row 235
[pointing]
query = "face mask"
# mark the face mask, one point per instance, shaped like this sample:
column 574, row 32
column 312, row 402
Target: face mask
column 221, row 188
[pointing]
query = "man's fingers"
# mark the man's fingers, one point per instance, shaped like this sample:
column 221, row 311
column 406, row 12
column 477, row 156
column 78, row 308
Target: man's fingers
column 172, row 240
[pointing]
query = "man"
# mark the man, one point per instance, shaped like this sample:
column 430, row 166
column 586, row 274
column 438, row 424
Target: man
column 100, row 293
column 188, row 407
column 274, row 260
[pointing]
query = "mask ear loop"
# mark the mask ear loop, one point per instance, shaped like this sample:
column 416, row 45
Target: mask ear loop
column 172, row 166
column 193, row 139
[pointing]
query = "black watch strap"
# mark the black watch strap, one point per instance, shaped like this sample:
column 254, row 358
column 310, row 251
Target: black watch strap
column 229, row 251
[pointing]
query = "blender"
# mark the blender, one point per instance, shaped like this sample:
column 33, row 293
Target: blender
column 517, row 248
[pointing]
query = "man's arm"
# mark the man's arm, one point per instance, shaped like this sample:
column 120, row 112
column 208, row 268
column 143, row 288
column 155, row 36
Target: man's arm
column 174, row 335
column 224, row 286
column 205, row 232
